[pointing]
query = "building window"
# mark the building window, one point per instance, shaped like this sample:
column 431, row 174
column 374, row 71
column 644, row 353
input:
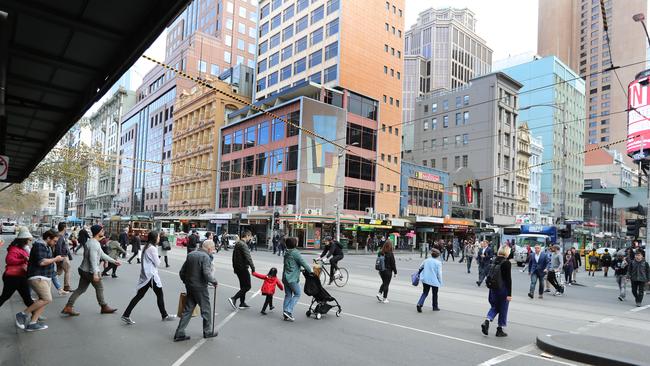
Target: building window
column 318, row 14
column 274, row 41
column 331, row 50
column 263, row 133
column 301, row 44
column 223, row 198
column 302, row 24
column 359, row 168
column 276, row 21
column 362, row 106
column 316, row 37
column 330, row 74
column 287, row 52
column 300, row 66
column 363, row 137
column 358, row 199
column 316, row 58
column 332, row 27
column 273, row 78
column 285, row 73
column 278, row 130
column 445, row 121
column 287, row 33
column 316, row 78
column 302, row 5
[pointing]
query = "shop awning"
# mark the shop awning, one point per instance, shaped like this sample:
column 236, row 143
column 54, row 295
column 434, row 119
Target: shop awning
column 429, row 219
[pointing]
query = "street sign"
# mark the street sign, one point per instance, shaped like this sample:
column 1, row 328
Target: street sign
column 4, row 167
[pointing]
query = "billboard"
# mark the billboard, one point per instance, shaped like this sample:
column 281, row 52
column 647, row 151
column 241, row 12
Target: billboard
column 638, row 115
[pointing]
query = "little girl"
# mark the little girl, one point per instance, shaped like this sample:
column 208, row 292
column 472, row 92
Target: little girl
column 268, row 288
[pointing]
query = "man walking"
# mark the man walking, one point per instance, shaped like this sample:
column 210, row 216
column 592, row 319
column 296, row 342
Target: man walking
column 639, row 274
column 62, row 249
column 537, row 268
column 484, row 257
column 90, row 273
column 241, row 260
column 469, row 251
column 554, row 268
column 124, row 240
column 196, row 274
column 192, row 242
column 40, row 270
column 620, row 271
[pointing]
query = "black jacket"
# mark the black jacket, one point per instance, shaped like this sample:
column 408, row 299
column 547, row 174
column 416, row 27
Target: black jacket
column 606, row 260
column 197, row 270
column 506, row 270
column 620, row 267
column 333, row 249
column 192, row 242
column 389, row 262
column 123, row 239
column 241, row 257
column 135, row 244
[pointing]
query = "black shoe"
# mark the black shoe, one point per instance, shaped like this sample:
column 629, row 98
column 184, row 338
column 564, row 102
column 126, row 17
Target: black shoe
column 232, row 303
column 501, row 333
column 530, row 294
column 271, row 307
column 129, row 262
column 478, row 283
column 485, row 327
column 104, row 274
column 114, row 276
column 263, row 312
column 436, row 309
column 211, row 335
column 244, row 306
column 419, row 308
column 138, row 261
column 182, row 338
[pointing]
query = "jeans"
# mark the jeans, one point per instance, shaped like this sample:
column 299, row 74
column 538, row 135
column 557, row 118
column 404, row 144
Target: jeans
column 534, row 277
column 638, row 289
column 244, row 286
column 469, row 263
column 195, row 296
column 498, row 305
column 482, row 271
column 140, row 294
column 86, row 279
column 567, row 274
column 55, row 281
column 291, row 296
column 13, row 284
column 425, row 293
column 622, row 284
column 385, row 282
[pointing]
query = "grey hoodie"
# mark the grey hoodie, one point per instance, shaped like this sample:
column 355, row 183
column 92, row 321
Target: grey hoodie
column 556, row 262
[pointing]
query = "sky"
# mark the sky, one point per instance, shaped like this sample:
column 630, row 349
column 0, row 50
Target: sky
column 508, row 26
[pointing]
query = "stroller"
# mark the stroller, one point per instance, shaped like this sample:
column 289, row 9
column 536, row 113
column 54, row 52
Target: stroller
column 320, row 297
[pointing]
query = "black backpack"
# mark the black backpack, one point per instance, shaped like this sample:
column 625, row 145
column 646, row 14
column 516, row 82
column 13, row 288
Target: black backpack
column 494, row 279
column 380, row 263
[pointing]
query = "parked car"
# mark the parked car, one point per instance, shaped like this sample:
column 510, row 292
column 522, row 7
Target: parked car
column 8, row 228
column 232, row 239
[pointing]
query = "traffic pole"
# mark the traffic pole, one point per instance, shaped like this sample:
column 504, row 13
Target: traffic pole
column 214, row 308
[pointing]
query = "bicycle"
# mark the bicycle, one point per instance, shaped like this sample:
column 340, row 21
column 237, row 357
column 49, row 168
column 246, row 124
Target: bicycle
column 340, row 277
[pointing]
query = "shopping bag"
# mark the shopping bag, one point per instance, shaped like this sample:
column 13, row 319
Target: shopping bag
column 181, row 305
column 415, row 278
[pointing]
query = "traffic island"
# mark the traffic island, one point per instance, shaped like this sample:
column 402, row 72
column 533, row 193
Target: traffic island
column 589, row 349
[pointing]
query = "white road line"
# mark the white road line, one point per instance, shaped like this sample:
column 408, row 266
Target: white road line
column 508, row 356
column 639, row 309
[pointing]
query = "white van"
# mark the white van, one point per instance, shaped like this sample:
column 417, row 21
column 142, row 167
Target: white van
column 8, row 228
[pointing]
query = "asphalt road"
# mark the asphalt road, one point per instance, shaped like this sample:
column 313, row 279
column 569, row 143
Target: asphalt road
column 368, row 332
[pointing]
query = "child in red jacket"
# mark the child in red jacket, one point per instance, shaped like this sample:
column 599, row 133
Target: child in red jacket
column 268, row 288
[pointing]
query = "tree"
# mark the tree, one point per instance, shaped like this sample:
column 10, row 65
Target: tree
column 15, row 200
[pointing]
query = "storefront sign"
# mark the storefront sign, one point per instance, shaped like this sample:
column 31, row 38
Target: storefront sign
column 375, row 222
column 433, row 220
column 460, row 222
column 427, row 176
column 218, row 221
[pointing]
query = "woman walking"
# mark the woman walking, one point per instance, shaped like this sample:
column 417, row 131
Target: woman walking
column 15, row 275
column 149, row 278
column 389, row 269
column 593, row 262
column 569, row 262
column 293, row 261
column 164, row 247
column 500, row 297
column 431, row 277
column 135, row 247
column 114, row 250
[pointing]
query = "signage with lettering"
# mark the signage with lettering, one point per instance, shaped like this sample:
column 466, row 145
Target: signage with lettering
column 374, row 222
column 427, row 176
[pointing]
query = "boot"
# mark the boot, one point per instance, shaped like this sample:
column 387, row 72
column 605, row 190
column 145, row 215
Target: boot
column 68, row 310
column 501, row 333
column 485, row 327
column 107, row 310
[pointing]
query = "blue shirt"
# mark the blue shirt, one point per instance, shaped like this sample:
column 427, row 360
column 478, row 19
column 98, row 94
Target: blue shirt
column 431, row 272
column 39, row 252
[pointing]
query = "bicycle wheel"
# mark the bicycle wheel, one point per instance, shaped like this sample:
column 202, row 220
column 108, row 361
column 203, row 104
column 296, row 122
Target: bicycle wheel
column 342, row 278
column 323, row 276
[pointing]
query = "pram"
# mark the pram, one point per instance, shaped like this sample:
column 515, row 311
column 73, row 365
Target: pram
column 321, row 299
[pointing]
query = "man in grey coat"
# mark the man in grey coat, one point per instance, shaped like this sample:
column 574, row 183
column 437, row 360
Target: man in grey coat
column 554, row 268
column 196, row 274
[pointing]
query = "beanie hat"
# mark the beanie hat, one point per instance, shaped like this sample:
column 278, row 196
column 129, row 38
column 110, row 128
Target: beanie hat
column 95, row 229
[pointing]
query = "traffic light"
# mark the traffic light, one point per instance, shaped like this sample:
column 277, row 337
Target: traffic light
column 633, row 226
column 566, row 232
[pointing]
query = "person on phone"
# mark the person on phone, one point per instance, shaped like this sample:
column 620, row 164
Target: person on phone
column 90, row 273
column 40, row 270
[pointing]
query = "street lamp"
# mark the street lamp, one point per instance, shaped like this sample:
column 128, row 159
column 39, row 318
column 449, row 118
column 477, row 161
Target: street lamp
column 640, row 18
column 561, row 107
column 338, row 202
column 277, row 164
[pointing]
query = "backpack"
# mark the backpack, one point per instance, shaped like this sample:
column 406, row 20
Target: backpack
column 494, row 279
column 380, row 263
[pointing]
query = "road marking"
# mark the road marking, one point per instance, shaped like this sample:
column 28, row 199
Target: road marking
column 639, row 309
column 607, row 287
column 508, row 356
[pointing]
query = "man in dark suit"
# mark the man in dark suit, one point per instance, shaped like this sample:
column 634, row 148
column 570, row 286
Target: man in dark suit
column 537, row 268
column 124, row 240
column 484, row 258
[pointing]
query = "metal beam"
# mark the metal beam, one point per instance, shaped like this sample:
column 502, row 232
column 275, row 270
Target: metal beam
column 52, row 60
column 42, row 86
column 31, row 104
column 52, row 15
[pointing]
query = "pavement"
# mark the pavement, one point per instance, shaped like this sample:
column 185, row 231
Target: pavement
column 368, row 332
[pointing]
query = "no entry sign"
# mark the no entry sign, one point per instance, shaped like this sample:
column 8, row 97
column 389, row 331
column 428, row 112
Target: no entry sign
column 4, row 167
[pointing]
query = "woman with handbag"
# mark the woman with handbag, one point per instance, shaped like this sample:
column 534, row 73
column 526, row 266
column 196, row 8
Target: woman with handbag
column 149, row 278
column 431, row 277
column 164, row 248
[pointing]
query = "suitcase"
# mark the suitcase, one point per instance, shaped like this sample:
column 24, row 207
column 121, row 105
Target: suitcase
column 181, row 305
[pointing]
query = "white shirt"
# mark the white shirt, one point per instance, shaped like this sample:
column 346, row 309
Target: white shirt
column 149, row 267
column 537, row 255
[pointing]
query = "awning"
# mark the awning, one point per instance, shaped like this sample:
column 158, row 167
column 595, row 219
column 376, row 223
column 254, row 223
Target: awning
column 429, row 219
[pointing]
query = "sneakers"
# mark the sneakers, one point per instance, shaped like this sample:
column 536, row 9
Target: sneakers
column 557, row 293
column 501, row 333
column 181, row 338
column 35, row 327
column 547, row 290
column 63, row 292
column 288, row 317
column 638, row 304
column 436, row 309
column 540, row 296
column 232, row 303
column 244, row 306
column 379, row 298
column 127, row 320
column 418, row 308
column 385, row 301
column 271, row 307
column 21, row 320
column 263, row 312
column 169, row 318
column 211, row 335
column 620, row 298
column 485, row 327
column 530, row 294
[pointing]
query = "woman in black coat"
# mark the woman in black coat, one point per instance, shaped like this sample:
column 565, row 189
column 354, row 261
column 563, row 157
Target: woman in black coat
column 135, row 247
column 389, row 269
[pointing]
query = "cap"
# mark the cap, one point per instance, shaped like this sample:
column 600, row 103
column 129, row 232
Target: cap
column 95, row 229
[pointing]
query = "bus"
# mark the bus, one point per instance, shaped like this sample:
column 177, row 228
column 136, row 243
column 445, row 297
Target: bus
column 530, row 236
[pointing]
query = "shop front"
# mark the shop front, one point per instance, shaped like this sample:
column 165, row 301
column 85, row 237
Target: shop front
column 310, row 229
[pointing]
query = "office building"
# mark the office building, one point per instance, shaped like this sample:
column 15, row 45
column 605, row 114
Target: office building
column 535, row 182
column 552, row 103
column 476, row 142
column 573, row 31
column 205, row 41
column 352, row 45
column 523, row 169
column 442, row 50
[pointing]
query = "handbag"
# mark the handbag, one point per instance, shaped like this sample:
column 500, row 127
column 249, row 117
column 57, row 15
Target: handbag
column 166, row 246
column 415, row 277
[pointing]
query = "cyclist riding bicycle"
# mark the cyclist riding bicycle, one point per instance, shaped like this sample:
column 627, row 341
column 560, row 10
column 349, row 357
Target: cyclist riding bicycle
column 334, row 251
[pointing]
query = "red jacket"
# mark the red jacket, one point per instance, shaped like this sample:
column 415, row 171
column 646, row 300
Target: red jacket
column 16, row 260
column 268, row 288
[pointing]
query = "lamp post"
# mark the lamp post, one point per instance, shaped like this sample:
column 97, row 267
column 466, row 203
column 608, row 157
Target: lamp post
column 561, row 107
column 640, row 18
column 341, row 155
column 277, row 164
